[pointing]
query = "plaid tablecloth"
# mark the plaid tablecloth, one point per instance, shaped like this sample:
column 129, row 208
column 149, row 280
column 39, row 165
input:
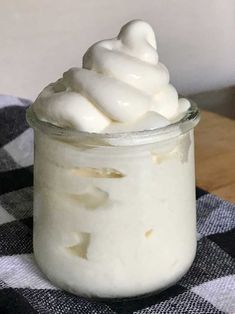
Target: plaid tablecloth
column 209, row 286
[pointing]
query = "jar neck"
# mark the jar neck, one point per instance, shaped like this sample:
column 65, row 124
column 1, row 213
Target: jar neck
column 189, row 121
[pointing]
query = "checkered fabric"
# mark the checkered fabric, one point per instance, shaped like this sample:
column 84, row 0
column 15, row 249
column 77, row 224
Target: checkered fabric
column 209, row 286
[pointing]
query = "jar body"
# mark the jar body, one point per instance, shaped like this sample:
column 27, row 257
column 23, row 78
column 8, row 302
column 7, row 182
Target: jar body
column 114, row 222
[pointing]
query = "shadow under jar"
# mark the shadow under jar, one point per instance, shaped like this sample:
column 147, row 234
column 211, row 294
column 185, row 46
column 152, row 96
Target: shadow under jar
column 114, row 214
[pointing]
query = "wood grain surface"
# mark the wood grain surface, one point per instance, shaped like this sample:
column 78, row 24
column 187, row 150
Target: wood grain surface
column 215, row 155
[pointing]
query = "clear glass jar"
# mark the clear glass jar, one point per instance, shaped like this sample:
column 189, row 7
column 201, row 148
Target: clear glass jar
column 114, row 214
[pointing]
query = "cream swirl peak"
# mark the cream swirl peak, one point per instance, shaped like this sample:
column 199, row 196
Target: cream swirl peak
column 121, row 87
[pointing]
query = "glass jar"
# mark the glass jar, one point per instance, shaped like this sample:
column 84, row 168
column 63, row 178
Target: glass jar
column 114, row 214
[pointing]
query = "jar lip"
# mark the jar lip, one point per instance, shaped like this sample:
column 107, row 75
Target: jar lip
column 186, row 123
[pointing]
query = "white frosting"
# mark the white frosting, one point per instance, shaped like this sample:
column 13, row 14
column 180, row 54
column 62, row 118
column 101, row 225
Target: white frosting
column 113, row 221
column 121, row 87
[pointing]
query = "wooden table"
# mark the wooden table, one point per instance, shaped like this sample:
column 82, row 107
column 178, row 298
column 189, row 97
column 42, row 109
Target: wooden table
column 215, row 155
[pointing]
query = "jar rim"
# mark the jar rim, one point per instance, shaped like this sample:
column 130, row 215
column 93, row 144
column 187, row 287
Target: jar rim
column 132, row 138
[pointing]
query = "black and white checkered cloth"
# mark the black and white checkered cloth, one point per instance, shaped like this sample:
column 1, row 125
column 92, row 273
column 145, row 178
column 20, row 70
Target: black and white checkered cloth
column 209, row 286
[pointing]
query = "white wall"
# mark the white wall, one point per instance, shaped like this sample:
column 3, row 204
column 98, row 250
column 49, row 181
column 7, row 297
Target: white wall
column 41, row 39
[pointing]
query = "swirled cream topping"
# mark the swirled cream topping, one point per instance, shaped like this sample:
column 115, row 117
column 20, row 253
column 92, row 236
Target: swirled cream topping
column 122, row 86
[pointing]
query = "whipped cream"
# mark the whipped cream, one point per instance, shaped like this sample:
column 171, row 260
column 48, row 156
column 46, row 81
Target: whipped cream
column 114, row 220
column 122, row 86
